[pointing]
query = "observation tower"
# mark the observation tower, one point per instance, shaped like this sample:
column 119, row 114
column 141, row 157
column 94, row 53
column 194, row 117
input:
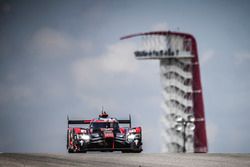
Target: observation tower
column 184, row 119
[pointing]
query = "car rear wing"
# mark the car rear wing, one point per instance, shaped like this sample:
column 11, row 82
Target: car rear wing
column 126, row 121
column 77, row 122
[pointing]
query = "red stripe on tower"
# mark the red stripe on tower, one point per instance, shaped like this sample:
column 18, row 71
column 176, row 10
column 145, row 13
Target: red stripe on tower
column 200, row 137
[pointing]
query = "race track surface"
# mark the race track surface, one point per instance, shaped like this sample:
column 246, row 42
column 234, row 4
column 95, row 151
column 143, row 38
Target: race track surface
column 128, row 160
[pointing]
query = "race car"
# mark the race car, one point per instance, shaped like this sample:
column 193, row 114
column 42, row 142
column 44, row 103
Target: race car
column 103, row 134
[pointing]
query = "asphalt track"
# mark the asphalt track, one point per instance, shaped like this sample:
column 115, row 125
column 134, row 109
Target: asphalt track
column 128, row 160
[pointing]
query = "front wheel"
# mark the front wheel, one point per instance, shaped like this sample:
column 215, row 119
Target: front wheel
column 137, row 151
column 70, row 151
column 132, row 151
column 135, row 148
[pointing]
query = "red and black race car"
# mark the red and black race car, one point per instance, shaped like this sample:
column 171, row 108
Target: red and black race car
column 103, row 134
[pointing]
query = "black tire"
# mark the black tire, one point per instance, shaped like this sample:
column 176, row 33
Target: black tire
column 137, row 151
column 70, row 151
column 132, row 151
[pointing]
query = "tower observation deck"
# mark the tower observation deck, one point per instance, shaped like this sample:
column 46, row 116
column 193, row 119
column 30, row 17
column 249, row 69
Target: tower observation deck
column 184, row 119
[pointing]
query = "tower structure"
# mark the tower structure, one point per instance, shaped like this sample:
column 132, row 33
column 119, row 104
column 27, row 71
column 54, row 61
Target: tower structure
column 182, row 90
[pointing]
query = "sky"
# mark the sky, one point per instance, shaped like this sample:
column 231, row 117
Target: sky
column 60, row 58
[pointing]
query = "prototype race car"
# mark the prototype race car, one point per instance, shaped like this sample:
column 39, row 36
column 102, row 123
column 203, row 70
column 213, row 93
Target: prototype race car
column 103, row 134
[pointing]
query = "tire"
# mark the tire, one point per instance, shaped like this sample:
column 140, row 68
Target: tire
column 70, row 151
column 136, row 149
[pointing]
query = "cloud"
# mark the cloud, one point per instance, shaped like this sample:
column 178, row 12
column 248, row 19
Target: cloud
column 48, row 42
column 242, row 57
column 163, row 26
column 119, row 58
column 207, row 56
column 116, row 61
column 97, row 77
column 115, row 78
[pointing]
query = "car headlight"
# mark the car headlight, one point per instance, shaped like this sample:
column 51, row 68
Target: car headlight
column 131, row 137
column 85, row 137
